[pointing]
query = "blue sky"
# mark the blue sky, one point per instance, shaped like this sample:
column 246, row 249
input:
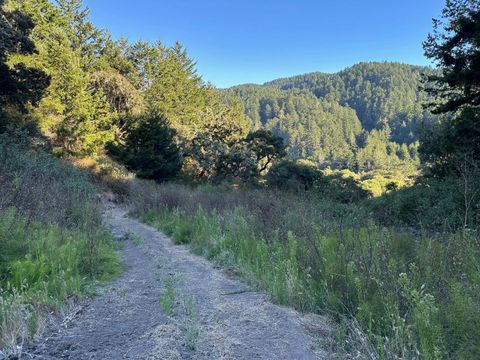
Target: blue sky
column 253, row 41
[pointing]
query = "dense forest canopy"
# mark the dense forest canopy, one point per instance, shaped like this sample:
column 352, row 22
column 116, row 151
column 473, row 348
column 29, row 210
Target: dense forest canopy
column 366, row 117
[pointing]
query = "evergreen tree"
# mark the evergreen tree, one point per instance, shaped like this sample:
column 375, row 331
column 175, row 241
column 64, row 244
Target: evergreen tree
column 72, row 114
column 150, row 149
column 455, row 47
column 83, row 35
column 19, row 84
column 176, row 90
column 326, row 118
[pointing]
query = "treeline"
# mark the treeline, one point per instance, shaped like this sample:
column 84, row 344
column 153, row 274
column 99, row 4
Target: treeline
column 366, row 117
column 85, row 93
column 98, row 86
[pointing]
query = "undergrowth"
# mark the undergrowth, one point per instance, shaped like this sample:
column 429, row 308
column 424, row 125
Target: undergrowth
column 53, row 244
column 414, row 294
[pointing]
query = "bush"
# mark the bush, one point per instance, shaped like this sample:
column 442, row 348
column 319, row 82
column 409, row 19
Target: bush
column 46, row 189
column 294, row 176
column 446, row 204
column 300, row 176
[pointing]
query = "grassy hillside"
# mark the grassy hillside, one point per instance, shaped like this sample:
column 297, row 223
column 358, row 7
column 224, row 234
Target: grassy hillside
column 53, row 244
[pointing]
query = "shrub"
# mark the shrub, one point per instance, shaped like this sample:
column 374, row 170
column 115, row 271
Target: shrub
column 446, row 204
column 294, row 176
column 300, row 176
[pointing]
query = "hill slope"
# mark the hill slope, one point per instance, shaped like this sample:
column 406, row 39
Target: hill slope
column 330, row 118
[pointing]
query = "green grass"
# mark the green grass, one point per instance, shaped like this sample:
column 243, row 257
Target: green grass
column 167, row 299
column 414, row 295
column 136, row 239
column 191, row 328
column 54, row 248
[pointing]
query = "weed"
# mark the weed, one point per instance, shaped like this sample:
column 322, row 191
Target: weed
column 53, row 243
column 136, row 239
column 191, row 328
column 167, row 299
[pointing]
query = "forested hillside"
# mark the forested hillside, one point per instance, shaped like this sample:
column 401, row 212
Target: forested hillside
column 275, row 183
column 366, row 117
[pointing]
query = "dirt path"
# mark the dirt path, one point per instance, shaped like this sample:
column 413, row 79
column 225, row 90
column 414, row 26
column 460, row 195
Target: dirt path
column 171, row 304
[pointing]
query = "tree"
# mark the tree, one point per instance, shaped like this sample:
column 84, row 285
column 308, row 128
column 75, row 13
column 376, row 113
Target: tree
column 266, row 147
column 218, row 151
column 150, row 149
column 121, row 95
column 455, row 47
column 74, row 116
column 323, row 117
column 19, row 84
column 83, row 35
column 176, row 90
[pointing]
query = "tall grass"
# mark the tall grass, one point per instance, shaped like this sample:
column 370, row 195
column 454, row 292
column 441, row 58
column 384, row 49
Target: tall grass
column 52, row 241
column 416, row 295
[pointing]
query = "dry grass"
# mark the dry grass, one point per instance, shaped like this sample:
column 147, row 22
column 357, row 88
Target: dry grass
column 409, row 292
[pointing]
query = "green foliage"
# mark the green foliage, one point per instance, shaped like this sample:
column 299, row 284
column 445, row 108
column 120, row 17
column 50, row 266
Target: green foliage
column 312, row 128
column 49, row 263
column 303, row 176
column 454, row 47
column 191, row 328
column 176, row 90
column 149, row 148
column 366, row 117
column 266, row 146
column 19, row 84
column 98, row 86
column 168, row 297
column 52, row 240
column 136, row 239
column 379, row 153
column 120, row 94
column 381, row 93
column 221, row 151
column 444, row 204
column 414, row 295
column 72, row 114
column 296, row 176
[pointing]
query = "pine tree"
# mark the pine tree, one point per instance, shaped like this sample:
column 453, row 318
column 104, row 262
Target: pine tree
column 455, row 47
column 19, row 84
column 72, row 114
column 150, row 149
column 176, row 90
